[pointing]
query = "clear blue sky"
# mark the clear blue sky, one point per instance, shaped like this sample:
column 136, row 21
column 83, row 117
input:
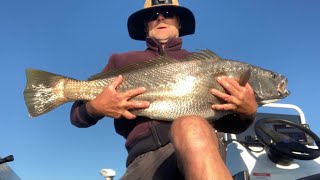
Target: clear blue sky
column 76, row 37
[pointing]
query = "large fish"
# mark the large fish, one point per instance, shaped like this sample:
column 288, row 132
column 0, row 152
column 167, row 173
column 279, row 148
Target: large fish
column 174, row 88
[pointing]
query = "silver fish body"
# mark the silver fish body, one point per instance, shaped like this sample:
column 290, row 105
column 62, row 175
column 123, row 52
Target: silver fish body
column 174, row 88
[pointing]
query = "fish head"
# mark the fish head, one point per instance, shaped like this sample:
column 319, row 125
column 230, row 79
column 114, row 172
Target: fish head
column 268, row 86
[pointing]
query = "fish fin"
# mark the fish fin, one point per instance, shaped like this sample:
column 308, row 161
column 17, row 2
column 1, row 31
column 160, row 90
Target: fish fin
column 40, row 94
column 244, row 77
column 203, row 55
column 158, row 61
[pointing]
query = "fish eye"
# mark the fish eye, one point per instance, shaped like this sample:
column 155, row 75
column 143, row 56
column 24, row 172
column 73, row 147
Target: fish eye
column 273, row 75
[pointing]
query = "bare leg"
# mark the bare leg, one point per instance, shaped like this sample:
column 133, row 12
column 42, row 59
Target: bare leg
column 197, row 149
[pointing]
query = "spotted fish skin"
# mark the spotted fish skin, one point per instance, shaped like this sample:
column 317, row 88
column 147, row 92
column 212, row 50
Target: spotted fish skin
column 174, row 88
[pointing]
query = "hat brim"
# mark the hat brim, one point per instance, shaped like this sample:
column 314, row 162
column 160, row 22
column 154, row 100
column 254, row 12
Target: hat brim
column 136, row 21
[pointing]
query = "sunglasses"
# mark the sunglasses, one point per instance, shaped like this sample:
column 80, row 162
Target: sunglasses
column 154, row 15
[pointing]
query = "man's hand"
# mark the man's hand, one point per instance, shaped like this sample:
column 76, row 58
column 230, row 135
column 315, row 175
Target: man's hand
column 240, row 99
column 113, row 104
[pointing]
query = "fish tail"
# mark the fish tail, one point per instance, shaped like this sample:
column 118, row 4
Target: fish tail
column 43, row 91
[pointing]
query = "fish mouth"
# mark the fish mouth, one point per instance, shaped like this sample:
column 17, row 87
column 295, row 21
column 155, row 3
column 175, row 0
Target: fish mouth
column 282, row 88
column 281, row 92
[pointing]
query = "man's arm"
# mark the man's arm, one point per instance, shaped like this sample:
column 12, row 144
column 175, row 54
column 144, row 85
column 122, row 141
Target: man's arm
column 109, row 103
column 80, row 117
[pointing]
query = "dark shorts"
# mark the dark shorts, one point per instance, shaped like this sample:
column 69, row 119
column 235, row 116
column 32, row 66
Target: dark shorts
column 160, row 164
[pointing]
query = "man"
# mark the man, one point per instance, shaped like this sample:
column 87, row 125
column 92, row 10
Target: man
column 188, row 148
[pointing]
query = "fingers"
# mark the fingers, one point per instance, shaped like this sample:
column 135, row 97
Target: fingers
column 237, row 93
column 128, row 115
column 137, row 104
column 231, row 85
column 134, row 105
column 115, row 83
column 118, row 104
column 230, row 101
column 240, row 99
column 224, row 107
column 134, row 92
column 128, row 94
column 226, row 97
column 131, row 94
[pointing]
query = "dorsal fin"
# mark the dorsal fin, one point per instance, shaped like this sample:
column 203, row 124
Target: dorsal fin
column 158, row 61
column 203, row 55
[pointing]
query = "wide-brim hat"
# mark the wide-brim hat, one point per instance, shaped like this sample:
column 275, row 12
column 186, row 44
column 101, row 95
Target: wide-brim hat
column 136, row 24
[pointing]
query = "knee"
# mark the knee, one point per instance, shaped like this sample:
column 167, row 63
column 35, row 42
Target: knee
column 185, row 123
column 188, row 124
column 191, row 131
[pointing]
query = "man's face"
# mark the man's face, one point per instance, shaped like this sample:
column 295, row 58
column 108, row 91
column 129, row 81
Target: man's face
column 163, row 26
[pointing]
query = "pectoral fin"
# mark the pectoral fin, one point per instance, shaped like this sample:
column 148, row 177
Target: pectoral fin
column 244, row 78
